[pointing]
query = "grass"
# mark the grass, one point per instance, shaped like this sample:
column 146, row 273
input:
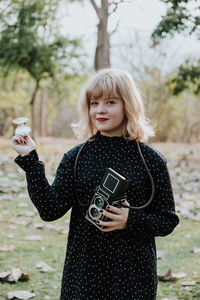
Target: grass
column 177, row 247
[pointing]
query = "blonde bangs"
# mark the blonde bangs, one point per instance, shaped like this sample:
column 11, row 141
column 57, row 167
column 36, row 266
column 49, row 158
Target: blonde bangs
column 111, row 82
column 102, row 86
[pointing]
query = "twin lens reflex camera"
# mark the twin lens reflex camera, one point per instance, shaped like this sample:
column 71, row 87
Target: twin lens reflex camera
column 111, row 190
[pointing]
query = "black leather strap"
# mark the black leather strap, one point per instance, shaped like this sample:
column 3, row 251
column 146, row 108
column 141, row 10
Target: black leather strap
column 123, row 204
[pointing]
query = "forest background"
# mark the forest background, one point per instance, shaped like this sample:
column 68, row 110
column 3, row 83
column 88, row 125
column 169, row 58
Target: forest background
column 48, row 50
column 43, row 68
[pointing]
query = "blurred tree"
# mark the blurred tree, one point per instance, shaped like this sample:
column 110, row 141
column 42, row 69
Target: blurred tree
column 103, row 11
column 175, row 120
column 30, row 40
column 182, row 16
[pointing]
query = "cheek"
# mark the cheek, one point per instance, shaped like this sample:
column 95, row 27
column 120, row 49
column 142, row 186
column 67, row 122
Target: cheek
column 91, row 113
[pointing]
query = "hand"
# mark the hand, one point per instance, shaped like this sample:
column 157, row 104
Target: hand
column 118, row 216
column 23, row 145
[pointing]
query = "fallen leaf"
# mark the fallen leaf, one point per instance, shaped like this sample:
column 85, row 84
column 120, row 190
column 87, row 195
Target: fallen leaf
column 21, row 295
column 14, row 275
column 33, row 238
column 196, row 250
column 160, row 254
column 26, row 214
column 44, row 267
column 179, row 275
column 188, row 283
column 22, row 204
column 171, row 298
column 7, row 248
column 188, row 288
column 4, row 275
column 19, row 221
column 167, row 277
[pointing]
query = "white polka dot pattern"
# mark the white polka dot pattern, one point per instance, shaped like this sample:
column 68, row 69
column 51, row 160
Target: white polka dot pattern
column 117, row 265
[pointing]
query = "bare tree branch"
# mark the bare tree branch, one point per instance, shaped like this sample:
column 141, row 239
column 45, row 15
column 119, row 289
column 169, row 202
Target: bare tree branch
column 116, row 28
column 116, row 3
column 96, row 8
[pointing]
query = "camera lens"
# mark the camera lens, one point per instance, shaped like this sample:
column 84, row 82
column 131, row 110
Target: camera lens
column 94, row 212
column 99, row 202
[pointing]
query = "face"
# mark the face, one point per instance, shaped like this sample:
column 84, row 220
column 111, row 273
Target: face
column 107, row 115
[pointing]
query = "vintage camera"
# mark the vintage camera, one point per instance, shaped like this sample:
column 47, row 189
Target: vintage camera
column 110, row 191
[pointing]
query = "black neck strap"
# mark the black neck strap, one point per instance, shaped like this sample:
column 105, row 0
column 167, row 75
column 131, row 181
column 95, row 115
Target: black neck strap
column 124, row 205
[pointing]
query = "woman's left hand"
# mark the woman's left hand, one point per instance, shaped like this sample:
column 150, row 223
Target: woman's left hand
column 118, row 216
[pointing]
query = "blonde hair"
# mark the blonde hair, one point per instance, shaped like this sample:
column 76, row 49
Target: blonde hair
column 113, row 82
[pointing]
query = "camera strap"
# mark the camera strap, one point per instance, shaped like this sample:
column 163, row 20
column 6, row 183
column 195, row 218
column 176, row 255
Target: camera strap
column 122, row 203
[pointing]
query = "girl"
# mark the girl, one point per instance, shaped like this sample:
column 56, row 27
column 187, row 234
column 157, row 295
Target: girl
column 118, row 261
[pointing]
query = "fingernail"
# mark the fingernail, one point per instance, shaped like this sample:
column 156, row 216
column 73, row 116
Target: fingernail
column 107, row 207
column 101, row 210
column 97, row 221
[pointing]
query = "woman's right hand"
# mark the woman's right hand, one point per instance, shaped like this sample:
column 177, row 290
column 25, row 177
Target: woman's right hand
column 23, row 145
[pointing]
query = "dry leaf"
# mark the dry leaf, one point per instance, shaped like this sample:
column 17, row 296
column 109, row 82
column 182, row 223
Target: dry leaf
column 188, row 283
column 10, row 236
column 26, row 214
column 22, row 204
column 167, row 277
column 171, row 298
column 196, row 250
column 33, row 238
column 188, row 288
column 13, row 276
column 12, row 226
column 179, row 275
column 44, row 267
column 19, row 221
column 160, row 254
column 21, row 295
column 4, row 275
column 7, row 248
column 37, row 225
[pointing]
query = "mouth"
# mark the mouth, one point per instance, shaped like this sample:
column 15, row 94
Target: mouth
column 101, row 119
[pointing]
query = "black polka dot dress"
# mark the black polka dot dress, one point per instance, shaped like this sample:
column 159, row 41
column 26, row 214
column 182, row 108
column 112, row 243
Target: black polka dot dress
column 106, row 265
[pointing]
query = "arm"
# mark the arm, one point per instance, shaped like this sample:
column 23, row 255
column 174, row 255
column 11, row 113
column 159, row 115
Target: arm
column 159, row 218
column 51, row 201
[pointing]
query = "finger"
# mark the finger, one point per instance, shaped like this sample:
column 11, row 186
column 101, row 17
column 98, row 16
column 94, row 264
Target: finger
column 114, row 209
column 107, row 224
column 15, row 140
column 109, row 215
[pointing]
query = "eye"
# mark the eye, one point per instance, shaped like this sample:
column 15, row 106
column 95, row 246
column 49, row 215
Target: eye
column 93, row 102
column 111, row 102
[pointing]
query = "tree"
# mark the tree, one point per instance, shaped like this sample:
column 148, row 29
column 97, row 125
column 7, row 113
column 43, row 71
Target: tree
column 103, row 12
column 181, row 16
column 26, row 29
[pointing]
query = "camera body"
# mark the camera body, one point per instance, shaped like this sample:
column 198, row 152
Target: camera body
column 111, row 191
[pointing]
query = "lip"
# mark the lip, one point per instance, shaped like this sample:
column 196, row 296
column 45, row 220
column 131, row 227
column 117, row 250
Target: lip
column 101, row 119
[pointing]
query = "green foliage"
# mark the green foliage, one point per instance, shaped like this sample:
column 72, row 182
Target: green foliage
column 181, row 18
column 22, row 44
column 188, row 78
column 178, row 18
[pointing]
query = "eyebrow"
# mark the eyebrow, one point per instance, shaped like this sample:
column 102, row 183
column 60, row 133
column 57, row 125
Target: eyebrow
column 114, row 97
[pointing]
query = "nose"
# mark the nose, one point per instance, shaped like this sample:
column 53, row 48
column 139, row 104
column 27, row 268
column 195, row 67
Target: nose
column 101, row 108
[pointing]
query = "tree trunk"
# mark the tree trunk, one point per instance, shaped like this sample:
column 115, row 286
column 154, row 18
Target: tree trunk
column 43, row 103
column 102, row 54
column 32, row 103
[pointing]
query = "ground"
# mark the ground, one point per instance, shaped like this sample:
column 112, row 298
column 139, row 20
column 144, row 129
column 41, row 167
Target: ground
column 19, row 222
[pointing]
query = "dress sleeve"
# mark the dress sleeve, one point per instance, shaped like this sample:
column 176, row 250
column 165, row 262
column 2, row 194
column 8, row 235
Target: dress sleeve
column 159, row 218
column 52, row 201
